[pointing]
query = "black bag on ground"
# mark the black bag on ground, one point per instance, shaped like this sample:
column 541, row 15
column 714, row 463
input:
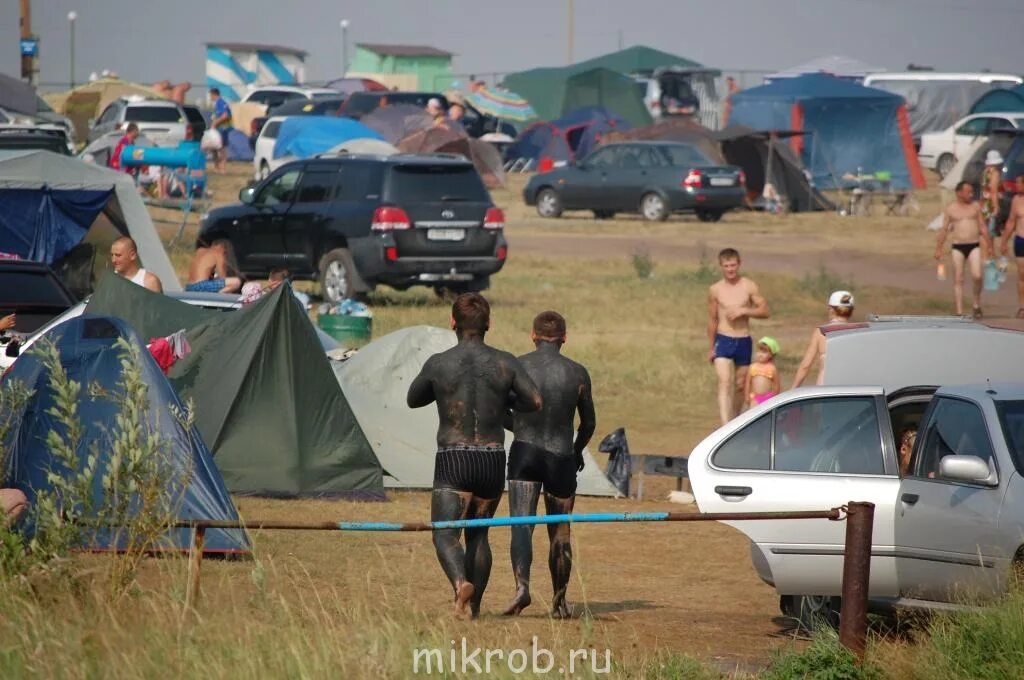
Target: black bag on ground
column 620, row 465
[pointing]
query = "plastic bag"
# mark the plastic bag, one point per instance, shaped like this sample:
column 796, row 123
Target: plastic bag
column 991, row 275
column 620, row 464
column 211, row 141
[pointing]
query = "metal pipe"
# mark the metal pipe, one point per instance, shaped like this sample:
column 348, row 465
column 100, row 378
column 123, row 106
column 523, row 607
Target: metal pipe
column 195, row 563
column 853, row 615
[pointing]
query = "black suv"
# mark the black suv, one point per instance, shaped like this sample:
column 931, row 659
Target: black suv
column 353, row 221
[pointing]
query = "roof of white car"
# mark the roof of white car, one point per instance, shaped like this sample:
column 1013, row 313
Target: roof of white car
column 292, row 88
column 147, row 101
column 922, row 324
column 994, row 391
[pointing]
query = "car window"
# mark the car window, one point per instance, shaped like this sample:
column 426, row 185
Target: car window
column 108, row 115
column 259, row 97
column 324, row 95
column 33, row 288
column 973, row 127
column 153, row 114
column 685, row 156
column 956, row 427
column 605, row 158
column 998, row 124
column 652, row 157
column 1011, row 418
column 360, row 181
column 281, row 189
column 834, row 434
column 748, row 449
column 270, row 129
column 436, row 183
column 193, row 114
column 317, row 186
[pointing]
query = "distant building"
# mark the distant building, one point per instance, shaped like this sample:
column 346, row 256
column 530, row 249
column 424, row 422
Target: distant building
column 431, row 67
column 234, row 67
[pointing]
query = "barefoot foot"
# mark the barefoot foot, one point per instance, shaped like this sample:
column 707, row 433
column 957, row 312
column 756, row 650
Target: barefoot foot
column 562, row 610
column 463, row 594
column 520, row 602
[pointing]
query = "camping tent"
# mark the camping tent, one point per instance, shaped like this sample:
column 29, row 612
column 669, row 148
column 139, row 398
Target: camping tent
column 66, row 212
column 855, row 129
column 572, row 136
column 17, row 95
column 484, row 156
column 375, row 382
column 638, row 59
column 1000, row 101
column 87, row 102
column 265, row 399
column 971, row 167
column 839, row 66
column 554, row 92
column 91, row 356
column 305, row 136
column 934, row 105
column 395, row 123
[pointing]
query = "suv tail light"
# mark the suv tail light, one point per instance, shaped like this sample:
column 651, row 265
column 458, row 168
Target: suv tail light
column 494, row 219
column 743, row 179
column 694, row 179
column 390, row 218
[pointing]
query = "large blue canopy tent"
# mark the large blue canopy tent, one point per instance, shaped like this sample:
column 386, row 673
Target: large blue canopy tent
column 305, row 136
column 1000, row 101
column 853, row 129
column 91, row 356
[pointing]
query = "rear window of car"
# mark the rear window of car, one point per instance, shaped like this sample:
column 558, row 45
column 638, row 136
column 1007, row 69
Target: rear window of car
column 193, row 114
column 153, row 114
column 31, row 288
column 324, row 95
column 361, row 103
column 35, row 142
column 436, row 183
column 1011, row 418
column 270, row 129
column 686, row 156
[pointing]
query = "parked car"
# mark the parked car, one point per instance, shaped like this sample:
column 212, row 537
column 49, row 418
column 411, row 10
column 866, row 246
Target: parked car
column 950, row 526
column 327, row 106
column 275, row 95
column 196, row 120
column 940, row 150
column 32, row 291
column 354, row 221
column 476, row 123
column 161, row 120
column 46, row 137
column 655, row 179
column 263, row 149
column 1013, row 168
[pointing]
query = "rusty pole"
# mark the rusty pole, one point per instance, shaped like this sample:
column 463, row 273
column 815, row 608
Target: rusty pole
column 853, row 615
column 27, row 61
column 195, row 562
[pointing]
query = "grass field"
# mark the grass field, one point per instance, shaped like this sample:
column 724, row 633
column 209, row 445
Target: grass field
column 323, row 605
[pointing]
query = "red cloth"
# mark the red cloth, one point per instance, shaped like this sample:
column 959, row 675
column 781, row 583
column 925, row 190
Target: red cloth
column 115, row 157
column 161, row 351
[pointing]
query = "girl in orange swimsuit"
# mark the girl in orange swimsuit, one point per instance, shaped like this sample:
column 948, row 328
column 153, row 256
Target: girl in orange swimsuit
column 763, row 380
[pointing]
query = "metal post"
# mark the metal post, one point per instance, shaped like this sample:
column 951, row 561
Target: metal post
column 27, row 61
column 853, row 615
column 72, row 16
column 571, row 31
column 344, row 47
column 195, row 562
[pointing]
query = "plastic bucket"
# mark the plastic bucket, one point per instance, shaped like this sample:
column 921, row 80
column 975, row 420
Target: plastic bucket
column 347, row 330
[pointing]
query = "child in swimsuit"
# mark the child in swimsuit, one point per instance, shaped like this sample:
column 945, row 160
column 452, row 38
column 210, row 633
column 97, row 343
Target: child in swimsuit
column 763, row 380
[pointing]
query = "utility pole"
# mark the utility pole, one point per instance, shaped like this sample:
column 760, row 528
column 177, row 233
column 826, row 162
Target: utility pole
column 28, row 56
column 569, row 42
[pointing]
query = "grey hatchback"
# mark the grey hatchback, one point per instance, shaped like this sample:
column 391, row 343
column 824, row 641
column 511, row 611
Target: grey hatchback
column 655, row 179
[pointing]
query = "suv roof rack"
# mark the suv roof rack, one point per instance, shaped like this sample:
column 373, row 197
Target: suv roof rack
column 923, row 318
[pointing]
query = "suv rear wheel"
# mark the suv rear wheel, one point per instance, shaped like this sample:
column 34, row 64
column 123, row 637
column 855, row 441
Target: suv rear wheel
column 945, row 164
column 336, row 272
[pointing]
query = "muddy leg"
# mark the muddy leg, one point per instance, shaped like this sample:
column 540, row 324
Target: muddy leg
column 560, row 557
column 478, row 551
column 723, row 371
column 522, row 501
column 448, row 504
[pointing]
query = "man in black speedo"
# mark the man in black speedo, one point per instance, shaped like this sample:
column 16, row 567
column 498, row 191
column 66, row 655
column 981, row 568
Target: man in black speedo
column 544, row 455
column 473, row 385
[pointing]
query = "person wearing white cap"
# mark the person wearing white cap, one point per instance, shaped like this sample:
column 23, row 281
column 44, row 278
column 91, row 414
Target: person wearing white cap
column 964, row 225
column 992, row 189
column 840, row 309
column 1015, row 228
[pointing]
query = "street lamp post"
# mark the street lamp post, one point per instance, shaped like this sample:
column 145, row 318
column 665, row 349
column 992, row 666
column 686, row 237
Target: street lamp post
column 72, row 16
column 344, row 47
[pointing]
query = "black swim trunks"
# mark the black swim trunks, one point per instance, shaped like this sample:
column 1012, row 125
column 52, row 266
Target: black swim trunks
column 479, row 470
column 529, row 463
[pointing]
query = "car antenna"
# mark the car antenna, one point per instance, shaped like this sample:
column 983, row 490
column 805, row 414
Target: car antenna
column 989, row 390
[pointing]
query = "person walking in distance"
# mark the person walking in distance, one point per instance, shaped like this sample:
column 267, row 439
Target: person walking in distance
column 544, row 457
column 964, row 224
column 1015, row 229
column 473, row 384
column 732, row 302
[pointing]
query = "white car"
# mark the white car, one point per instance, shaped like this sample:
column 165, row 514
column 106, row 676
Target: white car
column 263, row 151
column 272, row 95
column 941, row 150
column 936, row 535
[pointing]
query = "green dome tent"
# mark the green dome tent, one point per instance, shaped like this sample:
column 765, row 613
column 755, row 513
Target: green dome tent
column 553, row 92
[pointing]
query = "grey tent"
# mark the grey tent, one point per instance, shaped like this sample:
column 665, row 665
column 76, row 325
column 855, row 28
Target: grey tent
column 123, row 214
column 375, row 382
column 17, row 95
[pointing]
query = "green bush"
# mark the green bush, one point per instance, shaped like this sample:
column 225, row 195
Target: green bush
column 824, row 659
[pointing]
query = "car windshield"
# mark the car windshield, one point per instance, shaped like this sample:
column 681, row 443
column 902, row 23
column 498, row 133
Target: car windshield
column 153, row 114
column 686, row 156
column 1011, row 418
column 324, row 95
column 436, row 183
column 31, row 289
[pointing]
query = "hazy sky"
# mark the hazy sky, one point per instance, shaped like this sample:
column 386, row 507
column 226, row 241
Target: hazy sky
column 149, row 40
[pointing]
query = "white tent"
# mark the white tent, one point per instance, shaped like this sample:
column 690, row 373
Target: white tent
column 125, row 210
column 376, row 381
column 836, row 65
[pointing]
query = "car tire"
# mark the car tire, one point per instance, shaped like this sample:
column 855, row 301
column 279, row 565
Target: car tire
column 811, row 612
column 549, row 203
column 604, row 214
column 337, row 272
column 709, row 215
column 945, row 164
column 264, row 171
column 653, row 207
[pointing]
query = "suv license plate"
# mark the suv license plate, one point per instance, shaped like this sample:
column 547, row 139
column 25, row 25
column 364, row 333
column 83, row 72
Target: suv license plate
column 722, row 181
column 446, row 234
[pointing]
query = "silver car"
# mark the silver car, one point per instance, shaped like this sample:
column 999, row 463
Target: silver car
column 947, row 529
column 161, row 120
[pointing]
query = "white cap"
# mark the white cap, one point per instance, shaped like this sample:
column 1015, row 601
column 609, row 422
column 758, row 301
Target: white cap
column 993, row 157
column 434, row 103
column 840, row 298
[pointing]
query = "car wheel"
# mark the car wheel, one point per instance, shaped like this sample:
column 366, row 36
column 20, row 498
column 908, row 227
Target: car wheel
column 336, row 272
column 264, row 170
column 945, row 164
column 604, row 214
column 549, row 204
column 811, row 612
column 709, row 215
column 653, row 208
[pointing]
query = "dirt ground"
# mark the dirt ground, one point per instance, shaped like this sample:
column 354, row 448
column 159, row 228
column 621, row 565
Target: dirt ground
column 647, row 587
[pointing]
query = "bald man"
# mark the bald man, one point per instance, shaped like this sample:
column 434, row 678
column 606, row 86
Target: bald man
column 124, row 256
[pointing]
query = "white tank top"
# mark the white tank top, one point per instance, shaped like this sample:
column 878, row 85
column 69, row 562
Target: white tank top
column 140, row 277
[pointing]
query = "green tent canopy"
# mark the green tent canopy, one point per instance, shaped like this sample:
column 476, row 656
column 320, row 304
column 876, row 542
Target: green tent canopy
column 554, row 92
column 265, row 398
column 638, row 59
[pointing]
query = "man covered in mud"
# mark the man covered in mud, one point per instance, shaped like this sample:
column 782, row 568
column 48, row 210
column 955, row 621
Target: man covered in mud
column 473, row 385
column 545, row 457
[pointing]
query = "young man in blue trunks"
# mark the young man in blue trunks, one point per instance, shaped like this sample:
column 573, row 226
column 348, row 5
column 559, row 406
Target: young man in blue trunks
column 1015, row 229
column 732, row 302
column 208, row 272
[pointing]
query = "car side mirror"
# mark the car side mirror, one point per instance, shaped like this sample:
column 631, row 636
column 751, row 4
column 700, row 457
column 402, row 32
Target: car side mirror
column 969, row 469
column 247, row 195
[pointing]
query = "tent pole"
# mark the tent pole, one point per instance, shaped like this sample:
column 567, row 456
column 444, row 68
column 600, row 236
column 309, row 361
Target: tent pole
column 768, row 165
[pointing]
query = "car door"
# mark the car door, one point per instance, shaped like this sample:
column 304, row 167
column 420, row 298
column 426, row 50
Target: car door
column 623, row 183
column 809, row 449
column 105, row 123
column 967, row 133
column 308, row 216
column 947, row 539
column 586, row 185
column 264, row 227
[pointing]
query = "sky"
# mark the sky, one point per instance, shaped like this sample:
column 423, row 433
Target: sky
column 149, row 40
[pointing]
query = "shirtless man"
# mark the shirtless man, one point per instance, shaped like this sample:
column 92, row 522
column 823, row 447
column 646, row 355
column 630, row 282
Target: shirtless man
column 124, row 256
column 1015, row 228
column 732, row 302
column 473, row 384
column 545, row 455
column 963, row 219
column 208, row 272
